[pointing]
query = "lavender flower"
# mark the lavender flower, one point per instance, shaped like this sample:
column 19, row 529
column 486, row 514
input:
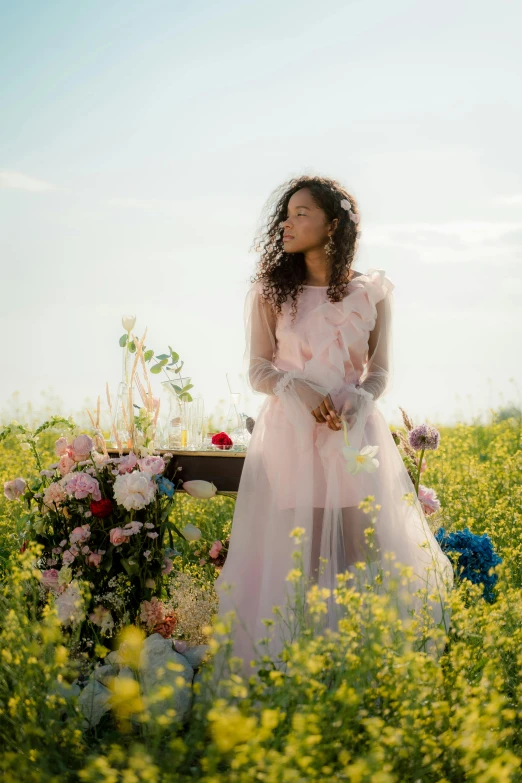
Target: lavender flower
column 424, row 437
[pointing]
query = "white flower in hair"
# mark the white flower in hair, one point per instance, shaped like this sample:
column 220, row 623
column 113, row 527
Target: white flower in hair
column 348, row 207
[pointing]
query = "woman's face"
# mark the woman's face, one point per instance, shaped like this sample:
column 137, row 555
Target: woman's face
column 306, row 227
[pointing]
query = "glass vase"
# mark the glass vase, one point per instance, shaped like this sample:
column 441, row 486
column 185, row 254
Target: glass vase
column 123, row 415
column 173, row 426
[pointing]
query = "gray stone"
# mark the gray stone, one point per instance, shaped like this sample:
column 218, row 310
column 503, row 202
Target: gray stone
column 126, row 671
column 156, row 654
column 94, row 702
column 67, row 691
column 105, row 673
column 113, row 658
column 195, row 655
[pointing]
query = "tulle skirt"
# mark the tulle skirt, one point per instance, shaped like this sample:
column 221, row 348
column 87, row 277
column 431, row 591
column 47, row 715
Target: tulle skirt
column 294, row 475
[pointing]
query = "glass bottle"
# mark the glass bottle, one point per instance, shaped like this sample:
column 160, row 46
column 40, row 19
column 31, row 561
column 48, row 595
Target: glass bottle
column 234, row 423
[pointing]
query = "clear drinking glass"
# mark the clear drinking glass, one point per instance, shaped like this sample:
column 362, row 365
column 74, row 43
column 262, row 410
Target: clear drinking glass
column 193, row 423
column 176, row 431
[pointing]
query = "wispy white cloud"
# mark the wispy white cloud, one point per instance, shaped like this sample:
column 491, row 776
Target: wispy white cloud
column 148, row 204
column 513, row 199
column 455, row 241
column 221, row 215
column 15, row 180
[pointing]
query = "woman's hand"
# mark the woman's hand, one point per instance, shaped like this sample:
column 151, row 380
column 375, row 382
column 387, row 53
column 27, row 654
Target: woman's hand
column 351, row 407
column 326, row 412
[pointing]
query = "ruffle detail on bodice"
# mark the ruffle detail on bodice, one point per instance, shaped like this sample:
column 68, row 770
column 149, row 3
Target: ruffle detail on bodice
column 337, row 332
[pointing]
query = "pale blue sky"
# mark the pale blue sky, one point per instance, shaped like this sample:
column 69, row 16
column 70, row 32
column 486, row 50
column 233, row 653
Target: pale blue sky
column 139, row 142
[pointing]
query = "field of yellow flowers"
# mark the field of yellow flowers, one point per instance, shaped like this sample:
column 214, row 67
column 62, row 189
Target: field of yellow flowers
column 362, row 707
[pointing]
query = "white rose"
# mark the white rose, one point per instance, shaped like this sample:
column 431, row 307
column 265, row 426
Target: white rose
column 128, row 322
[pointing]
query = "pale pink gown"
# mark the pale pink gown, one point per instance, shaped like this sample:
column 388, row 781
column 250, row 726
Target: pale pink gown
column 294, row 473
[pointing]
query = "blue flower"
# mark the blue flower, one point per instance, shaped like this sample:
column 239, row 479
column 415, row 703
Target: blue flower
column 476, row 557
column 165, row 486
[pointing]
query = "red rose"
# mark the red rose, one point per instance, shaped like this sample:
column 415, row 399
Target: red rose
column 221, row 440
column 101, row 508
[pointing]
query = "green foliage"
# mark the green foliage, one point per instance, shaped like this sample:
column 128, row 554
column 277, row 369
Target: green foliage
column 40, row 725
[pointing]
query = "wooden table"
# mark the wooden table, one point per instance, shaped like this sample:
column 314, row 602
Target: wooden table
column 222, row 468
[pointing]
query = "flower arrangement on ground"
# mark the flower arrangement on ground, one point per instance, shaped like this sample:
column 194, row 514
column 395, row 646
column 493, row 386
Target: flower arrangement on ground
column 104, row 523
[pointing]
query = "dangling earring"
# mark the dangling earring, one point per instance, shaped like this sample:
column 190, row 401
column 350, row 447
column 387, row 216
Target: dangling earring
column 329, row 247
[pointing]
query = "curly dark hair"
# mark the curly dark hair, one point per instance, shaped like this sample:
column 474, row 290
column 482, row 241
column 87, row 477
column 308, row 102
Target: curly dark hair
column 283, row 273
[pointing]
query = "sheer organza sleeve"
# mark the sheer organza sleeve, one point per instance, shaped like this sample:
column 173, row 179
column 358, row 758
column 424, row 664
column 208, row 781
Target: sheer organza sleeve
column 377, row 377
column 258, row 362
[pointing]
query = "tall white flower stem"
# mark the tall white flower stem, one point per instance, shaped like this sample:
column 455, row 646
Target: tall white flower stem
column 345, row 432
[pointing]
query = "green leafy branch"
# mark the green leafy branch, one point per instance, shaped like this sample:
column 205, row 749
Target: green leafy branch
column 166, row 362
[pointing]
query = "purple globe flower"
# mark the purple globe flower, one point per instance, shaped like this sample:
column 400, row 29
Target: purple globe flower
column 424, row 437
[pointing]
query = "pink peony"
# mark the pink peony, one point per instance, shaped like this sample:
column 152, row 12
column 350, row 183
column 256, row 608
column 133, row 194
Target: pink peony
column 14, row 489
column 54, row 496
column 50, row 579
column 82, row 533
column 117, row 536
column 127, row 463
column 428, row 499
column 94, row 559
column 66, row 464
column 81, row 448
column 81, row 485
column 151, row 613
column 215, row 549
column 60, row 447
column 153, row 465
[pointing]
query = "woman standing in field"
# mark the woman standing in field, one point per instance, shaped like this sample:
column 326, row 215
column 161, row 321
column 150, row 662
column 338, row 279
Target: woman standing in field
column 318, row 345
